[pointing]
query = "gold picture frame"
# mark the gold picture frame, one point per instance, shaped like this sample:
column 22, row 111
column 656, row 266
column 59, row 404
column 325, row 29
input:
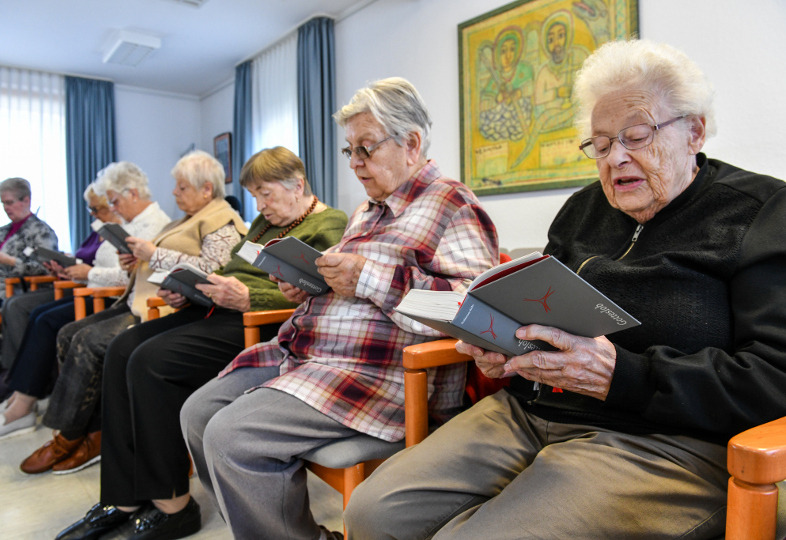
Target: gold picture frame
column 516, row 68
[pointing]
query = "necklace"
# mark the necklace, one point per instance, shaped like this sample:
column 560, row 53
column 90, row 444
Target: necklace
column 294, row 224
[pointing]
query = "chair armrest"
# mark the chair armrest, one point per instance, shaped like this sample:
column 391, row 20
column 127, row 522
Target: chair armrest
column 62, row 285
column 433, row 354
column 154, row 303
column 756, row 461
column 417, row 358
column 99, row 294
column 9, row 285
column 107, row 292
column 252, row 320
column 35, row 281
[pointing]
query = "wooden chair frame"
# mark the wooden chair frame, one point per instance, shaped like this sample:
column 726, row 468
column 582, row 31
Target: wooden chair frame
column 99, row 294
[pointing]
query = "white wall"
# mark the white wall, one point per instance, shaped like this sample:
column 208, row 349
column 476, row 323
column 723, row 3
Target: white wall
column 738, row 44
column 153, row 130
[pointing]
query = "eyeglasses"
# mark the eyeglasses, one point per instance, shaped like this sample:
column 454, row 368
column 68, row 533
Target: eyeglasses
column 95, row 209
column 631, row 137
column 362, row 152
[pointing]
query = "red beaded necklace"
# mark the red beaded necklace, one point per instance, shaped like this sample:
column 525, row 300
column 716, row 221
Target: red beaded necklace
column 294, row 224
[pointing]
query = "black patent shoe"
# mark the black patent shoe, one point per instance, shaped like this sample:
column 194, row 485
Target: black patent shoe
column 150, row 523
column 99, row 520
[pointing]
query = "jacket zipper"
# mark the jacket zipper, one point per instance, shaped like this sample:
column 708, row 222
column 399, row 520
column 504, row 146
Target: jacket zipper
column 635, row 237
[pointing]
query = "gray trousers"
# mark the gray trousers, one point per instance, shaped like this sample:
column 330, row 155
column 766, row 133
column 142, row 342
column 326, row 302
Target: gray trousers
column 246, row 450
column 75, row 403
column 16, row 311
column 497, row 472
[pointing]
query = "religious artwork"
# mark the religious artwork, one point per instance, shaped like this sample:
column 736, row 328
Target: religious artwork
column 517, row 65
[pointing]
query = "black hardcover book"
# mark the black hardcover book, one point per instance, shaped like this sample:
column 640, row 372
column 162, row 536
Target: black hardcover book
column 115, row 235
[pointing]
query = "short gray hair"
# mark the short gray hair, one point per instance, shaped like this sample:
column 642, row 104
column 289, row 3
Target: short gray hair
column 396, row 105
column 635, row 63
column 91, row 191
column 120, row 176
column 18, row 187
column 199, row 168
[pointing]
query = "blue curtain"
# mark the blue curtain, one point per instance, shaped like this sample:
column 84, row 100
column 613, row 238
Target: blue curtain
column 242, row 132
column 90, row 144
column 316, row 87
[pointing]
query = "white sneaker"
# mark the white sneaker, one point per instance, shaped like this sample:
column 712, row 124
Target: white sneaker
column 26, row 424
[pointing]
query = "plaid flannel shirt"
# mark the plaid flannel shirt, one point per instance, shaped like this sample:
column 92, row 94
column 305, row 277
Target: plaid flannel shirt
column 343, row 355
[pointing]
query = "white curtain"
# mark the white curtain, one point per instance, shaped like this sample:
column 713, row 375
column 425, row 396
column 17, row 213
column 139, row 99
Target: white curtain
column 32, row 142
column 274, row 117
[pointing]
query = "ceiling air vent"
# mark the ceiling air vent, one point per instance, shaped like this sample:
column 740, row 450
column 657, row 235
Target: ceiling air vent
column 130, row 48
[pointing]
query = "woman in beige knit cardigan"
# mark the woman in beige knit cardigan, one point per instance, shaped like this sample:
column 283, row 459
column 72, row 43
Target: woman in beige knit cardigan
column 204, row 237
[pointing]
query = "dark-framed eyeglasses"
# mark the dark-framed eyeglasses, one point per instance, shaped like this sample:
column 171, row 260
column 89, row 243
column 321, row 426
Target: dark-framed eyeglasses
column 95, row 209
column 362, row 152
column 631, row 137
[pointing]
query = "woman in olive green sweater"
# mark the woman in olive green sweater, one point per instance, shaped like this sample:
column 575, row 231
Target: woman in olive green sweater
column 150, row 369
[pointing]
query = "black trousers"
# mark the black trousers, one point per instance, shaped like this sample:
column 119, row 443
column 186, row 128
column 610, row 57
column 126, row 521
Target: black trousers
column 149, row 372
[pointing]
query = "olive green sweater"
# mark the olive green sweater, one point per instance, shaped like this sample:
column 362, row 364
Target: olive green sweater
column 320, row 231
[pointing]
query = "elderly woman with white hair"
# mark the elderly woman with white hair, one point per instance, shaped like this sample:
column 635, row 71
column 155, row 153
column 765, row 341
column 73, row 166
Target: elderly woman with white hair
column 204, row 237
column 25, row 232
column 334, row 370
column 625, row 437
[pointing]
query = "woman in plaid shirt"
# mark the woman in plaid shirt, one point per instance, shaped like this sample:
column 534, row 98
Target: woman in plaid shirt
column 335, row 368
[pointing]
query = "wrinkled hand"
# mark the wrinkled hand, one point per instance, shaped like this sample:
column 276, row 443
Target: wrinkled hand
column 143, row 249
column 54, row 268
column 77, row 272
column 127, row 262
column 341, row 271
column 491, row 364
column 227, row 292
column 581, row 365
column 176, row 300
column 290, row 292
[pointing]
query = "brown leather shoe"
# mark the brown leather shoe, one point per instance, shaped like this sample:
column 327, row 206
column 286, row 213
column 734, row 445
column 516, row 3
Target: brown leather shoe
column 53, row 452
column 88, row 453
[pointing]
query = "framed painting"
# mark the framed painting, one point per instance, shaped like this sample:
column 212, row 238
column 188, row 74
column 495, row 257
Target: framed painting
column 516, row 70
column 222, row 150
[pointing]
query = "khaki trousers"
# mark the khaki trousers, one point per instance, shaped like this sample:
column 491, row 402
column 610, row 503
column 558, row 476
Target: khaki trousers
column 496, row 472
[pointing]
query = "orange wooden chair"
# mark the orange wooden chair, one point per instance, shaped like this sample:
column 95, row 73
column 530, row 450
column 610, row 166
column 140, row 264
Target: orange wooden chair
column 31, row 282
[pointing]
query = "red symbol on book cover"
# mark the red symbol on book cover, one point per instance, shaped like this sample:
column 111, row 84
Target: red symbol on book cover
column 278, row 273
column 491, row 327
column 542, row 300
column 303, row 258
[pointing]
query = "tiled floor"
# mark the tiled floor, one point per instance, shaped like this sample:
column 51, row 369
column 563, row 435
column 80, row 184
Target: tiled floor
column 37, row 507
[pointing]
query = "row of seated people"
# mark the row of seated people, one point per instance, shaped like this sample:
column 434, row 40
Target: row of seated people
column 632, row 427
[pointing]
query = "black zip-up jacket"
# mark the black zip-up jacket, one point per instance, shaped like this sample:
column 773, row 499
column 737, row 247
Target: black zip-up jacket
column 706, row 276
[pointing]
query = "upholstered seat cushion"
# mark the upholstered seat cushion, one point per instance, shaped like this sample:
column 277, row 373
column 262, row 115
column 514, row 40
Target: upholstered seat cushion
column 349, row 452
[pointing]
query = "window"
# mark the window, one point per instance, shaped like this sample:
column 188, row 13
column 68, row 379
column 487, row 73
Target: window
column 32, row 142
column 274, row 117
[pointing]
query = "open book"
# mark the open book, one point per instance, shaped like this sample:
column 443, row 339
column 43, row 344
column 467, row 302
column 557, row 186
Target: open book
column 45, row 255
column 289, row 259
column 182, row 279
column 115, row 235
column 533, row 289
